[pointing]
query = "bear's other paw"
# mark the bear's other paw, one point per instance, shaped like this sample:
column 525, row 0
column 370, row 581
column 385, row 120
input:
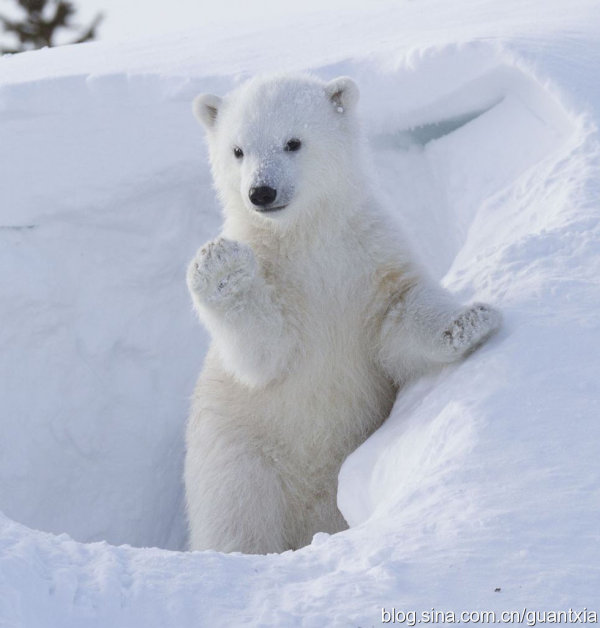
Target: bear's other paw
column 469, row 329
column 222, row 270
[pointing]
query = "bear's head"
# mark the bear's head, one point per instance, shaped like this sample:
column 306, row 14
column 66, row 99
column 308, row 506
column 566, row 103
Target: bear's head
column 282, row 147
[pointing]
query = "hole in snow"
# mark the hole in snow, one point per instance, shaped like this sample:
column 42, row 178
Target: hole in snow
column 424, row 133
column 99, row 347
column 445, row 159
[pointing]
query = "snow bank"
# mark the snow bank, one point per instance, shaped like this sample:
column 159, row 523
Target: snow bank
column 485, row 475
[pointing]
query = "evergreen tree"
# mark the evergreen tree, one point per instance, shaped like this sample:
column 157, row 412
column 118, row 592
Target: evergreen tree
column 42, row 19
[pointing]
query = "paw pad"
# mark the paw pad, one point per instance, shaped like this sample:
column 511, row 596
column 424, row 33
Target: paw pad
column 471, row 328
column 221, row 269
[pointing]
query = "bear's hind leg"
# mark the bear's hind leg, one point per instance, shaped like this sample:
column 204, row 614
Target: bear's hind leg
column 234, row 496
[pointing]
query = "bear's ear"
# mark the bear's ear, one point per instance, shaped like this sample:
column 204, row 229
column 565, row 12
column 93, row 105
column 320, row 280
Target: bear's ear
column 206, row 108
column 343, row 93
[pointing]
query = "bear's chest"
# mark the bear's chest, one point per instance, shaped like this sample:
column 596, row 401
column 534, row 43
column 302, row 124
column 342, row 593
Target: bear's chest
column 327, row 293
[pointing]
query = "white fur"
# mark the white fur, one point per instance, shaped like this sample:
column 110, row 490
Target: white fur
column 317, row 314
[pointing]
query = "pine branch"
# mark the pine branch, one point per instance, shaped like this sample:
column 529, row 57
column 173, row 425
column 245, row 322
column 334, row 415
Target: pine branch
column 35, row 31
column 90, row 33
column 32, row 6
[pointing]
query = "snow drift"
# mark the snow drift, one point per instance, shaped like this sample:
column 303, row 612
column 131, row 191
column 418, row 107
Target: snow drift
column 484, row 477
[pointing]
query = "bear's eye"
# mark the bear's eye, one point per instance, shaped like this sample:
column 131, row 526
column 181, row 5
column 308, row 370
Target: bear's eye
column 293, row 145
column 238, row 152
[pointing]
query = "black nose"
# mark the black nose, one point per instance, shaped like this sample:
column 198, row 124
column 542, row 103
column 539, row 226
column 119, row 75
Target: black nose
column 262, row 196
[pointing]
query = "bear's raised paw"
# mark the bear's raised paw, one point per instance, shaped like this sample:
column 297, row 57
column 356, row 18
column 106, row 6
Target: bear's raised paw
column 222, row 270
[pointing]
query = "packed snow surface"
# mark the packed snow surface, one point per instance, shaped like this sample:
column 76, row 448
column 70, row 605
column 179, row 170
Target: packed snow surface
column 480, row 492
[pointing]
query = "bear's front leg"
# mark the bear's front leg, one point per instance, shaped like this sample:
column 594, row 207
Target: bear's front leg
column 241, row 311
column 235, row 500
column 428, row 327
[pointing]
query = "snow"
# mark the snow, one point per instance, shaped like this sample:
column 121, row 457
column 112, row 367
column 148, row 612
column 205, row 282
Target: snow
column 486, row 474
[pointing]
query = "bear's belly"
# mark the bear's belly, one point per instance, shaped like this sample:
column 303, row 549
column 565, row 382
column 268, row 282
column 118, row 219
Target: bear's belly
column 314, row 417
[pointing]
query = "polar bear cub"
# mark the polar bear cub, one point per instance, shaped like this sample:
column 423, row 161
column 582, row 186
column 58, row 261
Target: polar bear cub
column 316, row 310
